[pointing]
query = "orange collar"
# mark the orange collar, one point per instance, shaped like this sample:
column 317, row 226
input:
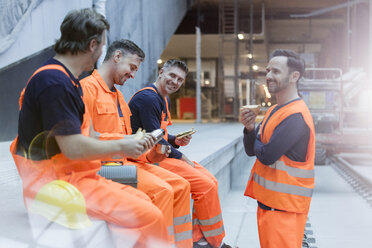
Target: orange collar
column 101, row 82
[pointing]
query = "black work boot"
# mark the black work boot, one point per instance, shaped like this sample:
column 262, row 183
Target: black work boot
column 225, row 246
column 202, row 243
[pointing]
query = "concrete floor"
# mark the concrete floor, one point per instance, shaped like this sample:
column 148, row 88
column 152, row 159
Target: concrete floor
column 339, row 217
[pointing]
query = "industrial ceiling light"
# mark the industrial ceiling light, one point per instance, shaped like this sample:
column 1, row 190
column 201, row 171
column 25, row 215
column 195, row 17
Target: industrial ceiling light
column 159, row 61
column 255, row 67
column 250, row 56
column 240, row 36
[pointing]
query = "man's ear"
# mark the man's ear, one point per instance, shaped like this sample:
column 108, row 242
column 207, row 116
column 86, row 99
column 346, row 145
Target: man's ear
column 161, row 71
column 93, row 44
column 117, row 56
column 295, row 76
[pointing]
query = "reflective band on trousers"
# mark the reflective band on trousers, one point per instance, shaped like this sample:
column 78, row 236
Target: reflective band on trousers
column 181, row 220
column 183, row 236
column 213, row 233
column 210, row 221
column 281, row 187
column 295, row 172
column 170, row 230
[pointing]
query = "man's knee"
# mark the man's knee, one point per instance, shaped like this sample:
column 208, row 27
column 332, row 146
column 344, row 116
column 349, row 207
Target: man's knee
column 183, row 186
column 166, row 191
column 215, row 181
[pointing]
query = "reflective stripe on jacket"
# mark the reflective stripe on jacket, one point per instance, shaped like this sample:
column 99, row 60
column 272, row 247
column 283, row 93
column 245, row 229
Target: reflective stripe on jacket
column 286, row 185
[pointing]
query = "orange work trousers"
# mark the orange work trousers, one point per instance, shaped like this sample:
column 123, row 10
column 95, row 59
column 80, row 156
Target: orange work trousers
column 130, row 215
column 207, row 215
column 171, row 194
column 278, row 229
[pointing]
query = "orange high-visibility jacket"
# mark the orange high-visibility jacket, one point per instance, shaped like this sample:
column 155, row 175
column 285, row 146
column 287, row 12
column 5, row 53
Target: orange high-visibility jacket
column 103, row 111
column 127, row 210
column 163, row 123
column 286, row 185
column 35, row 174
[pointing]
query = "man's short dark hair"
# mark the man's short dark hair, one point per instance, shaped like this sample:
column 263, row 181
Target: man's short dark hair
column 176, row 63
column 294, row 62
column 78, row 29
column 126, row 47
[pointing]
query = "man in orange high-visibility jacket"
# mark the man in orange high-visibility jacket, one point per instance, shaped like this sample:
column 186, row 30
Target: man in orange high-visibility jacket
column 282, row 178
column 51, row 107
column 150, row 111
column 110, row 117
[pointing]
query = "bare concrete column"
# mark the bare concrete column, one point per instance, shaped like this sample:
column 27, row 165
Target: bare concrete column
column 198, row 72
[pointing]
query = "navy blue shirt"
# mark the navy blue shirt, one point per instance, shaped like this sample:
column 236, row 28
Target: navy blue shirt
column 290, row 138
column 147, row 107
column 51, row 103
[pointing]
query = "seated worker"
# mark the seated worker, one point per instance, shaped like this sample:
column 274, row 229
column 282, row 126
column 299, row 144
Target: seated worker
column 51, row 106
column 150, row 111
column 110, row 116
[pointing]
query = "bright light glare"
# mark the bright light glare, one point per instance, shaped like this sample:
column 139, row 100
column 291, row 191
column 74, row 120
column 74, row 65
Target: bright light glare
column 159, row 61
column 268, row 95
column 240, row 36
column 255, row 67
column 249, row 55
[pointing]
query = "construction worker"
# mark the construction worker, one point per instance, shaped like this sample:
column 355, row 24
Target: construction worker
column 110, row 116
column 150, row 110
column 51, row 105
column 282, row 178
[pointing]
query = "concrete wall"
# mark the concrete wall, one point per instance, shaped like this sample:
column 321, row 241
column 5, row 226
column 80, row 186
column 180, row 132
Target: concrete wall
column 150, row 24
column 31, row 46
column 231, row 166
column 40, row 29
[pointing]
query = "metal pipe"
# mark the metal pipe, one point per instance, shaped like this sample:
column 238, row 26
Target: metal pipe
column 329, row 9
column 198, row 68
column 370, row 40
column 250, row 48
column 236, row 62
column 198, row 72
column 221, row 83
column 348, row 37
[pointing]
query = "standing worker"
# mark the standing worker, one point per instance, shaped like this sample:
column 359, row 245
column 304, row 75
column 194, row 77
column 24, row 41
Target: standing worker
column 51, row 105
column 282, row 178
column 110, row 116
column 150, row 111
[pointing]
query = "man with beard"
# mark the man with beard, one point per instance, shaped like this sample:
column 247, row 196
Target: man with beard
column 282, row 178
column 51, row 149
column 110, row 116
column 150, row 110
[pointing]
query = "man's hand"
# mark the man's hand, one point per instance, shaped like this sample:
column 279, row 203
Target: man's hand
column 184, row 141
column 184, row 158
column 247, row 118
column 158, row 153
column 132, row 146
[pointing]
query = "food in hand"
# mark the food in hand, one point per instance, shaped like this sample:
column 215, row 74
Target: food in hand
column 255, row 108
